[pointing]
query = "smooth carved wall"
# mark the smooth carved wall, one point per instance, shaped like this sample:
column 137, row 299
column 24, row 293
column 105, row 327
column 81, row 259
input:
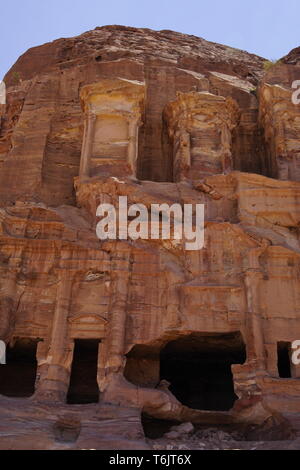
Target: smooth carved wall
column 111, row 139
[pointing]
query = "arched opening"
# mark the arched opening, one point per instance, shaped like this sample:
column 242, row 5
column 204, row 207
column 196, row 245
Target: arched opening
column 198, row 367
column 18, row 375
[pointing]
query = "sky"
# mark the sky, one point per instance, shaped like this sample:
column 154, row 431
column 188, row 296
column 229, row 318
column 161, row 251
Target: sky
column 269, row 28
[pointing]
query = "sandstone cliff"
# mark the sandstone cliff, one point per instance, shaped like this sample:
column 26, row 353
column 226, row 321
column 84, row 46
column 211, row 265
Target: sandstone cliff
column 159, row 117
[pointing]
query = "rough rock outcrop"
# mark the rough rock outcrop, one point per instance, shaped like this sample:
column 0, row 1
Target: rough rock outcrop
column 176, row 335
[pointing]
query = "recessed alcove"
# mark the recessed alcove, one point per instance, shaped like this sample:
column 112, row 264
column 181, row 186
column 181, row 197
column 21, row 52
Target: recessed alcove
column 17, row 377
column 198, row 367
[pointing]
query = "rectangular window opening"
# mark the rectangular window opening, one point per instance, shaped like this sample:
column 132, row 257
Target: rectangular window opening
column 283, row 359
column 83, row 386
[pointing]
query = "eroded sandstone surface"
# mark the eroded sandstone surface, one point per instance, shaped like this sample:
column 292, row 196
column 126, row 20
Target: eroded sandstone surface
column 109, row 343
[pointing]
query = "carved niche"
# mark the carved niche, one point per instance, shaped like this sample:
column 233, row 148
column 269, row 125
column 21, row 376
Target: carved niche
column 112, row 116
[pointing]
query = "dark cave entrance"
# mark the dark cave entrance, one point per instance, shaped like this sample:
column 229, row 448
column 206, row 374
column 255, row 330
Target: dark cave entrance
column 83, row 386
column 198, row 366
column 17, row 377
column 283, row 360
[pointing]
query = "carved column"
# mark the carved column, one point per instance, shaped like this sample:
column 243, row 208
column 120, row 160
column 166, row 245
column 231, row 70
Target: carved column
column 253, row 283
column 245, row 376
column 113, row 348
column 182, row 154
column 7, row 300
column 56, row 364
column 87, row 146
column 226, row 141
column 256, row 348
column 7, row 306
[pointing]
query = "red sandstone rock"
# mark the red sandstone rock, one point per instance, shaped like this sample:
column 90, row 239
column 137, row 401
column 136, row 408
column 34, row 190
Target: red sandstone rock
column 159, row 117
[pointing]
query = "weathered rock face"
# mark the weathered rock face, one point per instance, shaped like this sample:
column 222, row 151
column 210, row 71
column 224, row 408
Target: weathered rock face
column 188, row 336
